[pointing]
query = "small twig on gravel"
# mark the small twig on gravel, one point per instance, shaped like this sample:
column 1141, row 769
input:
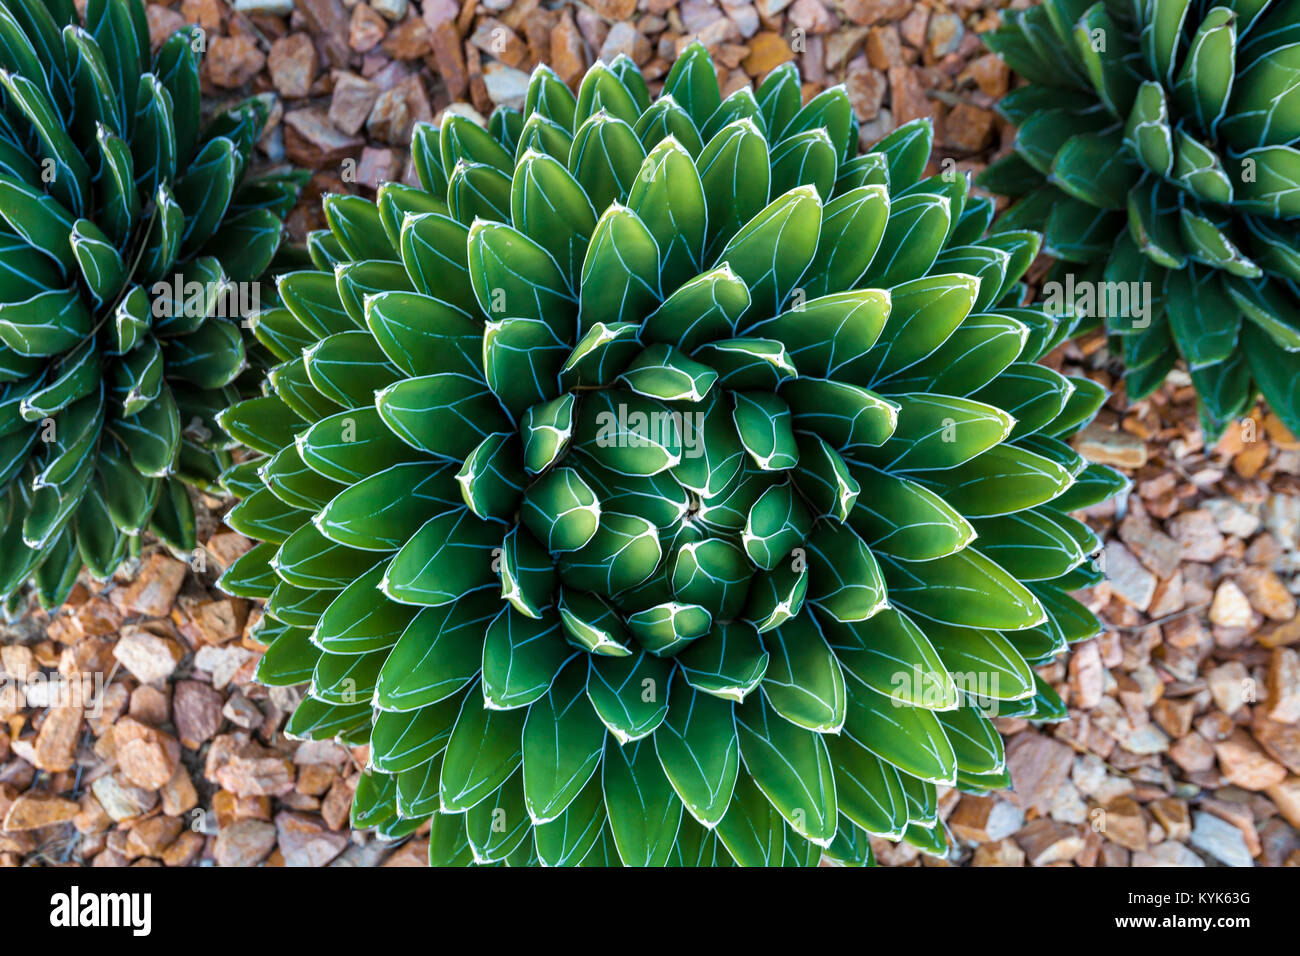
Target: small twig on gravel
column 978, row 100
column 76, row 786
column 1138, row 628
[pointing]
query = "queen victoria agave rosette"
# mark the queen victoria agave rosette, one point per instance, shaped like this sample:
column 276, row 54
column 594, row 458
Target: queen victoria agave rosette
column 1159, row 151
column 127, row 230
column 664, row 482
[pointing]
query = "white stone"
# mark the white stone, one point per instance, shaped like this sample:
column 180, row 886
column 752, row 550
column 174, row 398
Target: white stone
column 1148, row 739
column 1068, row 804
column 1088, row 773
column 1230, row 607
column 1005, row 819
column 1221, row 840
column 147, row 656
column 274, row 8
column 221, row 662
column 1169, row 853
column 393, row 10
column 465, row 110
column 744, row 16
column 506, row 86
column 1232, row 517
column 1281, row 516
column 1227, row 684
column 1127, row 576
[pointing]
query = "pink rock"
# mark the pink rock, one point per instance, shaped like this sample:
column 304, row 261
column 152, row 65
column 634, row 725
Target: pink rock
column 244, row 843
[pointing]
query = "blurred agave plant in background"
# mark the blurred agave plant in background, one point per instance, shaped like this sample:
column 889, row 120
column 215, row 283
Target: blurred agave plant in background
column 664, row 482
column 1158, row 144
column 123, row 225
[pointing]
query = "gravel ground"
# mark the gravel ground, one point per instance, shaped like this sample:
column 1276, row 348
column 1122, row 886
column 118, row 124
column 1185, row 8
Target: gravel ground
column 1183, row 744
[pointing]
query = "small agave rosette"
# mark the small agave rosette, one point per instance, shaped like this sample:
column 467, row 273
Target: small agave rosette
column 129, row 237
column 1159, row 152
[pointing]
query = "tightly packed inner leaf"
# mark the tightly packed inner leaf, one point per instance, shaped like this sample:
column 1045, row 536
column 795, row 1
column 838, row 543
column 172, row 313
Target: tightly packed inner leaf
column 664, row 482
column 124, row 229
column 1158, row 148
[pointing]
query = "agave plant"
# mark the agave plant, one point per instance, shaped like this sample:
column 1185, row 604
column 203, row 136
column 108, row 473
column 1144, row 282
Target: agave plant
column 1158, row 144
column 664, row 482
column 123, row 225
